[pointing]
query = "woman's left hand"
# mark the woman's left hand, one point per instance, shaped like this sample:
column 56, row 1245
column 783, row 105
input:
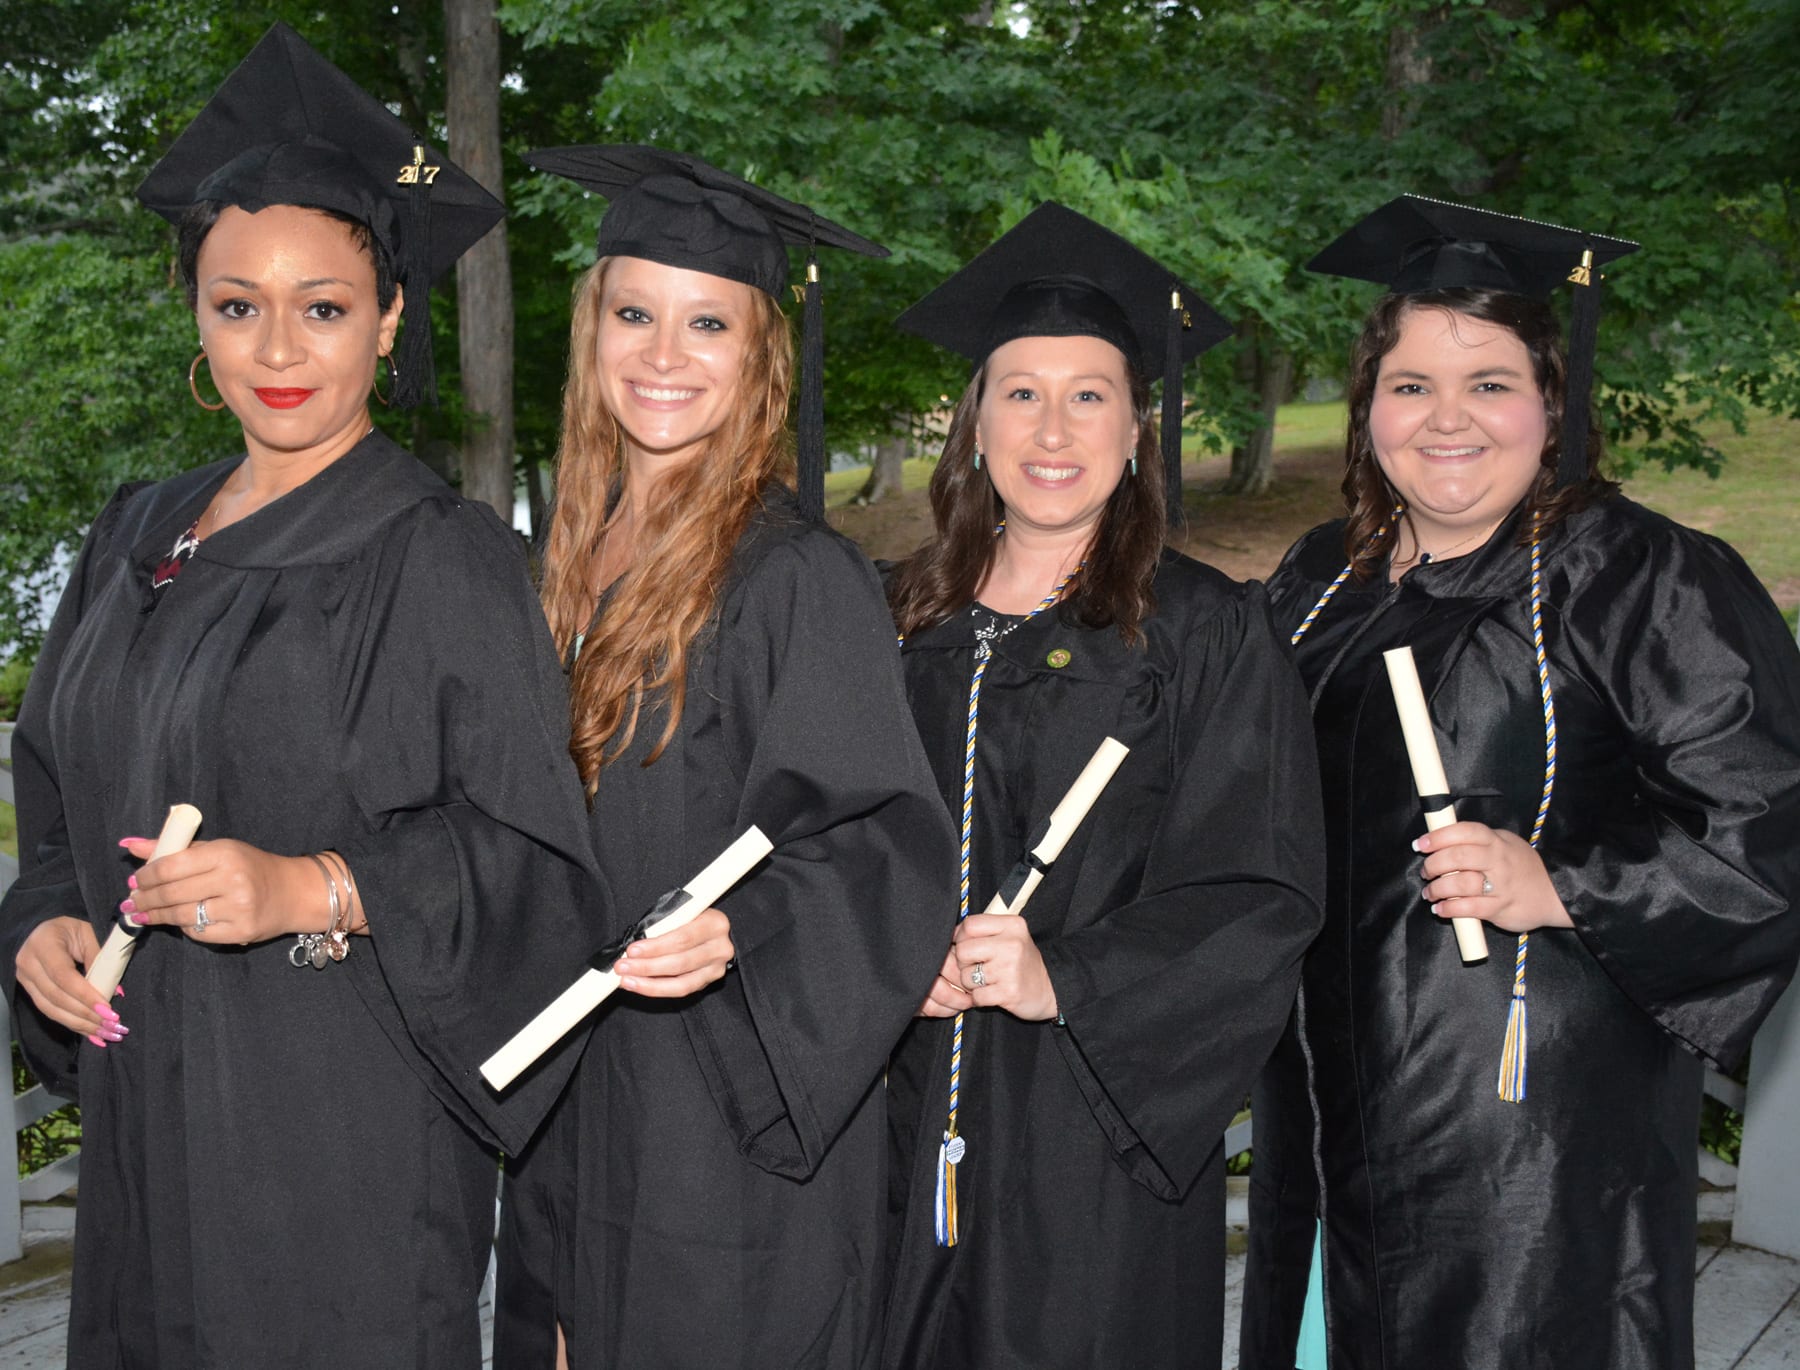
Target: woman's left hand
column 1012, row 975
column 1474, row 871
column 250, row 895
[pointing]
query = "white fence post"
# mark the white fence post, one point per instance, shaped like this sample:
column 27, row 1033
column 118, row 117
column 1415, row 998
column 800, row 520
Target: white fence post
column 1768, row 1178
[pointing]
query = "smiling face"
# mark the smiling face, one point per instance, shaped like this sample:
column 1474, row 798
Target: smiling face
column 1055, row 428
column 671, row 347
column 288, row 316
column 1457, row 422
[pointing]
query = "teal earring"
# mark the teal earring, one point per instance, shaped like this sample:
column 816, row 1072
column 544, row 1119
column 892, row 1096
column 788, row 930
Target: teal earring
column 1134, row 465
column 977, row 458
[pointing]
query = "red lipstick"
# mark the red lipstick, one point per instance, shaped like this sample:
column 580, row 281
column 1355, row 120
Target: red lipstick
column 284, row 399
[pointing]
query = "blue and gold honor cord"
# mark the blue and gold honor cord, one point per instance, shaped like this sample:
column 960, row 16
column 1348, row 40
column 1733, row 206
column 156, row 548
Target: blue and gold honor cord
column 1512, row 1053
column 953, row 1148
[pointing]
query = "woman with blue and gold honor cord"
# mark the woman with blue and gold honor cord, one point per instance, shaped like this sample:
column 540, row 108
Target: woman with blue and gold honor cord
column 1493, row 1165
column 1059, row 1105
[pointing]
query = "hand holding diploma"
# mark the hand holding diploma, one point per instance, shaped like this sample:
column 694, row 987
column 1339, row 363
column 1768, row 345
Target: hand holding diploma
column 51, row 959
column 1519, row 896
column 994, row 961
column 675, row 912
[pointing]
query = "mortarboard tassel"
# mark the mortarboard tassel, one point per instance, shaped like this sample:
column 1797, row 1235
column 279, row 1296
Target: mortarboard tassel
column 1584, row 328
column 811, row 421
column 1171, row 407
column 415, row 371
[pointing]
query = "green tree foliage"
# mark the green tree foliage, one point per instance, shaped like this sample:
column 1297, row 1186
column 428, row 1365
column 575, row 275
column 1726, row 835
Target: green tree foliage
column 1233, row 139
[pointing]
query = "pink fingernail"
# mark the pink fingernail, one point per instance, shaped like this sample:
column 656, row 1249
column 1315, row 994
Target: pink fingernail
column 126, row 841
column 131, row 882
column 127, row 906
column 119, row 992
column 140, row 918
column 117, row 1034
column 96, row 1039
column 106, row 1014
column 1416, row 844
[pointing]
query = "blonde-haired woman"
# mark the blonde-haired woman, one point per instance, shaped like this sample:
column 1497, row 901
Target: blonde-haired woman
column 710, row 1190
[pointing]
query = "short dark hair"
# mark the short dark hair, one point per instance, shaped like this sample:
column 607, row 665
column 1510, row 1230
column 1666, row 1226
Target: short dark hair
column 1370, row 500
column 203, row 214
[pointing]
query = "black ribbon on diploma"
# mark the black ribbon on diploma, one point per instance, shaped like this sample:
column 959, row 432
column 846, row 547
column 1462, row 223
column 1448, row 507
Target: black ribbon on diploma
column 608, row 955
column 1431, row 803
column 1020, row 873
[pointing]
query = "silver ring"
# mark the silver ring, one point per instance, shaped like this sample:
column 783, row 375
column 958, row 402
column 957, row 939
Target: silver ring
column 978, row 974
column 201, row 921
column 1487, row 886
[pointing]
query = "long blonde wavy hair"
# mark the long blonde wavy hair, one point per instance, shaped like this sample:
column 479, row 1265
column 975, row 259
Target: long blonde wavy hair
column 636, row 655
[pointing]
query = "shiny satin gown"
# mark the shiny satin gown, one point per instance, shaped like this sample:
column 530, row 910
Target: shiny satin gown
column 1461, row 1230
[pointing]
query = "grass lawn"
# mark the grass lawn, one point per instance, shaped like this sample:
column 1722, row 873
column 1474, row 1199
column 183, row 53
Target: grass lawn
column 1754, row 505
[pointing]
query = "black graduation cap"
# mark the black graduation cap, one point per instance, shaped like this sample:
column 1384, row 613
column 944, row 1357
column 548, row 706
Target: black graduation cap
column 288, row 128
column 1059, row 274
column 675, row 209
column 1413, row 245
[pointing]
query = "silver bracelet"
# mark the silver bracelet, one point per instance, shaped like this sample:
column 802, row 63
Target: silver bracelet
column 316, row 948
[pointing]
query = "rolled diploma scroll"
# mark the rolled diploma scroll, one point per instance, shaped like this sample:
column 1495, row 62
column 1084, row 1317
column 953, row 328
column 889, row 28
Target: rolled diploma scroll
column 592, row 989
column 1428, row 775
column 178, row 830
column 1064, row 819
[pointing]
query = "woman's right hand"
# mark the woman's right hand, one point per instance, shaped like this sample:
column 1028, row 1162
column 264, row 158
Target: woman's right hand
column 50, row 968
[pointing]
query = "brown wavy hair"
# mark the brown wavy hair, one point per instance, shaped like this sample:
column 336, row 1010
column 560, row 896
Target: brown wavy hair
column 635, row 655
column 1370, row 499
column 943, row 577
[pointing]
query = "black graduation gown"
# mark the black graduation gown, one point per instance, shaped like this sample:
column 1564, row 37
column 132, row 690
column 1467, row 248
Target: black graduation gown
column 1091, row 1196
column 285, row 1167
column 710, row 1190
column 1557, row 1232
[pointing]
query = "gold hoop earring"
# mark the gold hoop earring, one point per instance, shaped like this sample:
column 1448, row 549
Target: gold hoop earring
column 194, row 384
column 393, row 375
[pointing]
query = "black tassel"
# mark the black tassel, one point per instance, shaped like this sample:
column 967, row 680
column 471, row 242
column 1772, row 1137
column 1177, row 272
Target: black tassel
column 1584, row 329
column 811, row 421
column 415, row 370
column 1171, row 409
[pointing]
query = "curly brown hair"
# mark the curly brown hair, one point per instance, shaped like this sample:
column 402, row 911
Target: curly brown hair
column 943, row 577
column 1371, row 500
column 637, row 651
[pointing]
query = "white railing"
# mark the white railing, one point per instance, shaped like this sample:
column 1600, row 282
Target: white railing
column 35, row 1103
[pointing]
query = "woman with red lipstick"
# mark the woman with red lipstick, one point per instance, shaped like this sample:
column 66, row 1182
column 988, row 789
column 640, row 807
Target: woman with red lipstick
column 709, row 1190
column 290, row 1160
column 1058, row 1105
column 1616, row 700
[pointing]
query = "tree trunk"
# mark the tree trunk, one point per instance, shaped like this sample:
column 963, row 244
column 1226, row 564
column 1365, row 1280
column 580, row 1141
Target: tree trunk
column 885, row 471
column 484, row 297
column 1253, row 464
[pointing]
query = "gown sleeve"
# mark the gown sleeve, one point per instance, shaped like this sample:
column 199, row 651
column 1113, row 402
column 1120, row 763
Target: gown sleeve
column 1681, row 883
column 47, row 886
column 474, row 859
column 1172, row 1001
column 836, row 940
